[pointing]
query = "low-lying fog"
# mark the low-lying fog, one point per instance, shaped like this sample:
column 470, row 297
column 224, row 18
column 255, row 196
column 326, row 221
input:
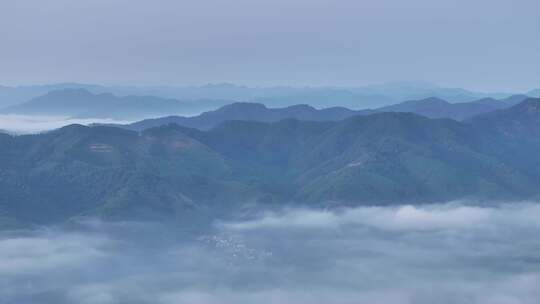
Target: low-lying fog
column 449, row 253
column 25, row 124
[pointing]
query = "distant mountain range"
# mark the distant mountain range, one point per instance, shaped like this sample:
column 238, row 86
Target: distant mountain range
column 534, row 93
column 437, row 108
column 80, row 103
column 373, row 96
column 430, row 107
column 178, row 172
column 248, row 111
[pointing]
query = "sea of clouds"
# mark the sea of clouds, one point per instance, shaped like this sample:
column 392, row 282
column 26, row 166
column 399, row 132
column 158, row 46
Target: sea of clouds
column 448, row 253
column 26, row 124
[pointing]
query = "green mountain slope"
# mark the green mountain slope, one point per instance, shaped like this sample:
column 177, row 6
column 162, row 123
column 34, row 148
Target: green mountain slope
column 181, row 173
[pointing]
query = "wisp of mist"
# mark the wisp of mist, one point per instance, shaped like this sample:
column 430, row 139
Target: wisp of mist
column 450, row 253
column 25, row 124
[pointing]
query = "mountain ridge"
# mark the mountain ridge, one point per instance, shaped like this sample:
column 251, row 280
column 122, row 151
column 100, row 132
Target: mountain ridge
column 359, row 97
column 175, row 172
column 249, row 111
column 81, row 103
column 431, row 107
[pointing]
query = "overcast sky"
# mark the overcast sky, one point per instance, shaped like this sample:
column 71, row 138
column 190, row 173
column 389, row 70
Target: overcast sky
column 488, row 45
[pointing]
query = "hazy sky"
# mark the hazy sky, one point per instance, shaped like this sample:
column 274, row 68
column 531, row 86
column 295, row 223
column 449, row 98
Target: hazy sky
column 477, row 44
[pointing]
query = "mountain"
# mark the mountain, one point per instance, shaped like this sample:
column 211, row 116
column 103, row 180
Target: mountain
column 534, row 93
column 437, row 108
column 175, row 172
column 81, row 103
column 379, row 159
column 515, row 99
column 371, row 96
column 248, row 111
column 522, row 120
column 518, row 127
column 78, row 170
column 415, row 90
column 359, row 97
column 430, row 107
column 323, row 98
column 10, row 96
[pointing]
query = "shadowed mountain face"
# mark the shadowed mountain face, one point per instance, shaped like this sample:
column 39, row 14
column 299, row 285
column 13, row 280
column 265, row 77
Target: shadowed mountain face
column 81, row 103
column 179, row 172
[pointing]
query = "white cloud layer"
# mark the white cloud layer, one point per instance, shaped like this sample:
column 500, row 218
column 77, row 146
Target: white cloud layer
column 406, row 217
column 450, row 253
column 24, row 124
